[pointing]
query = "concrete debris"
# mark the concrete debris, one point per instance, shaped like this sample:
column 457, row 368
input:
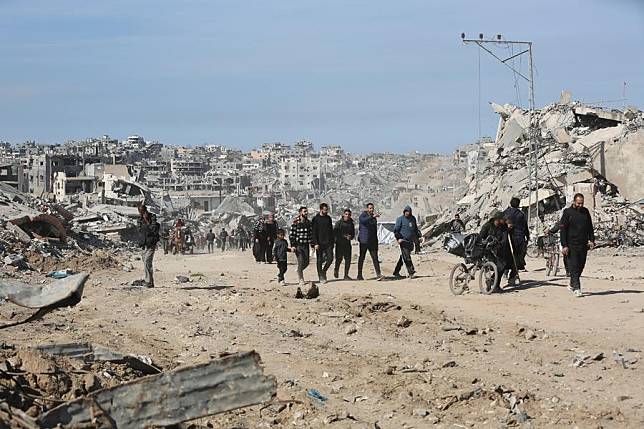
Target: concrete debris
column 62, row 293
column 581, row 149
column 95, row 353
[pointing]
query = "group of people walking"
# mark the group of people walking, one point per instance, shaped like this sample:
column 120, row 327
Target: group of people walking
column 510, row 228
column 331, row 242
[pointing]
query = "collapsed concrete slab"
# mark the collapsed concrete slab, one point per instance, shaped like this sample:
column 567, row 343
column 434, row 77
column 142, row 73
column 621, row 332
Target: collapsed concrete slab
column 64, row 292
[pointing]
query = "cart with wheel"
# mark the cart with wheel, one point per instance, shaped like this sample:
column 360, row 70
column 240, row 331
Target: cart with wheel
column 479, row 256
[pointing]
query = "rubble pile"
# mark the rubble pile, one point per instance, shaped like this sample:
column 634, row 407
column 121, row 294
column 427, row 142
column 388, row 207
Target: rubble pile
column 580, row 149
column 84, row 385
column 38, row 234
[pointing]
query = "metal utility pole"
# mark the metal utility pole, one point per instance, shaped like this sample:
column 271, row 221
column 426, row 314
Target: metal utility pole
column 482, row 43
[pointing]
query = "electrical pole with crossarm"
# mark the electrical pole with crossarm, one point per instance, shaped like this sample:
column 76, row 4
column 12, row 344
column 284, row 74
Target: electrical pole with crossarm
column 483, row 43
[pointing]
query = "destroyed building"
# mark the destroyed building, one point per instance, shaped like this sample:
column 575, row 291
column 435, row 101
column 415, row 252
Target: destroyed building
column 579, row 149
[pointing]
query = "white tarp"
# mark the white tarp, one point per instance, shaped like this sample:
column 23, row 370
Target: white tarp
column 386, row 232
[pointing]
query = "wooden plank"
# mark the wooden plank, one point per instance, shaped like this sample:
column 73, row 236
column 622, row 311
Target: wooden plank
column 172, row 397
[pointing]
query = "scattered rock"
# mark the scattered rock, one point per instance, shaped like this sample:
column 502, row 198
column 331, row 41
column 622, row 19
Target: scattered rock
column 530, row 335
column 403, row 322
column 420, row 412
column 313, row 292
column 351, row 330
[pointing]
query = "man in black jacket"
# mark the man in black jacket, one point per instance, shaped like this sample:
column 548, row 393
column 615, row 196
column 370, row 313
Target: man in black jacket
column 300, row 238
column 344, row 231
column 149, row 229
column 577, row 236
column 322, row 241
column 368, row 239
column 520, row 232
column 495, row 227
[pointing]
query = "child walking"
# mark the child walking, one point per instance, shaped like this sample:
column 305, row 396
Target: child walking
column 279, row 252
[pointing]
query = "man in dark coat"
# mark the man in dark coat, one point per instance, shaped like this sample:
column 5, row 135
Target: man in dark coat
column 520, row 232
column 323, row 241
column 368, row 239
column 344, row 232
column 577, row 236
column 495, row 227
column 406, row 232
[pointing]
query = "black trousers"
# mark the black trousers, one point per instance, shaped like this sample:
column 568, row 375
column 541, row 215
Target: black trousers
column 324, row 259
column 268, row 249
column 343, row 252
column 303, row 254
column 373, row 251
column 405, row 258
column 520, row 250
column 576, row 264
column 282, row 267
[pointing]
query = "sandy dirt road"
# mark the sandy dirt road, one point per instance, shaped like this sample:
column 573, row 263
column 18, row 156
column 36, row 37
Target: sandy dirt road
column 391, row 354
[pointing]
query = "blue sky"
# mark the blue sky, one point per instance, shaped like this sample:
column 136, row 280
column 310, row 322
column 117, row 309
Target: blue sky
column 370, row 75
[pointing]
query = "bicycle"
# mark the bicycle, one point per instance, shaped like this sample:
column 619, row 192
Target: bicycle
column 551, row 253
column 479, row 256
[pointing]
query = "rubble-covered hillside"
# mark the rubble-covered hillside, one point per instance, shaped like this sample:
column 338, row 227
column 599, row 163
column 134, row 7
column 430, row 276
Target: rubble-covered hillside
column 583, row 149
column 38, row 234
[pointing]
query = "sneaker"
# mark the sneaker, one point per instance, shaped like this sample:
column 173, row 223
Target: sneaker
column 577, row 293
column 411, row 275
column 347, row 278
column 360, row 278
column 322, row 281
column 149, row 285
column 336, row 273
column 282, row 283
column 570, row 289
column 397, row 275
column 380, row 277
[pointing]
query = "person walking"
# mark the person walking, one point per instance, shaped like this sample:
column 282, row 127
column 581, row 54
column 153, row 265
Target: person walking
column 242, row 236
column 300, row 238
column 280, row 249
column 344, row 231
column 577, row 236
column 164, row 235
column 495, row 227
column 270, row 234
column 210, row 239
column 149, row 228
column 520, row 234
column 368, row 239
column 223, row 236
column 259, row 241
column 322, row 241
column 406, row 232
